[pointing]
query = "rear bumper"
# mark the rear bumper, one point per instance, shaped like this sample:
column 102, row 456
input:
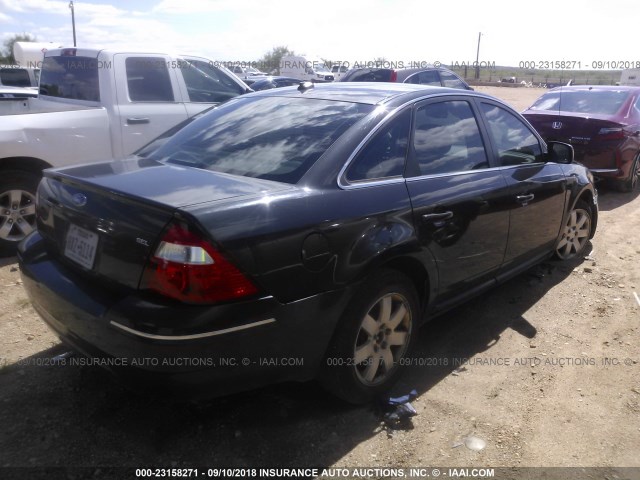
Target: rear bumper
column 199, row 350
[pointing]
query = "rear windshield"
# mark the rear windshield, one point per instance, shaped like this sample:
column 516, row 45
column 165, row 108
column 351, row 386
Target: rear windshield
column 603, row 102
column 70, row 77
column 371, row 75
column 272, row 138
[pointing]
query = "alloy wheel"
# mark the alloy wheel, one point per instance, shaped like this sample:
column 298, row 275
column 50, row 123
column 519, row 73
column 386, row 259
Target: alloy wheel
column 382, row 339
column 17, row 214
column 576, row 234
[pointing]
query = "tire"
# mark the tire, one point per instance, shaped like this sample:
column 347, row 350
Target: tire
column 576, row 232
column 17, row 208
column 375, row 334
column 631, row 183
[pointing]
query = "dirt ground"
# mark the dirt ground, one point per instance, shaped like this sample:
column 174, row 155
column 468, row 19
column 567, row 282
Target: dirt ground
column 544, row 369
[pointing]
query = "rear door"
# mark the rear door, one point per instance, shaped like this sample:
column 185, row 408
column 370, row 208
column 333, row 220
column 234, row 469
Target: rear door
column 537, row 189
column 457, row 198
column 148, row 97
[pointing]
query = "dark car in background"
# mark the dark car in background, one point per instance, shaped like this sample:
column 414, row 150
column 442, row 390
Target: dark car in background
column 299, row 233
column 432, row 76
column 601, row 122
column 274, row 82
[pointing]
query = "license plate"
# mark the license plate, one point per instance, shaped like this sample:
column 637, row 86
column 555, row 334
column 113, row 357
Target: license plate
column 81, row 246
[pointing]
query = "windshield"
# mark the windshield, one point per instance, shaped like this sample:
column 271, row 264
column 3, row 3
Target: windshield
column 273, row 138
column 603, row 102
column 320, row 67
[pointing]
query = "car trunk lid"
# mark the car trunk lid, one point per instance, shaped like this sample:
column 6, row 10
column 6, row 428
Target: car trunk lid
column 594, row 138
column 106, row 222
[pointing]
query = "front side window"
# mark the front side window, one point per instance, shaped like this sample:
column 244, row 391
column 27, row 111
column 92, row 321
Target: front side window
column 385, row 153
column 515, row 142
column 206, row 83
column 148, row 79
column 273, row 138
column 447, row 139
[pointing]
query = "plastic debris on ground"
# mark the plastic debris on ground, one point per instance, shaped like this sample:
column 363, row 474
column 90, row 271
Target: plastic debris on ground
column 397, row 411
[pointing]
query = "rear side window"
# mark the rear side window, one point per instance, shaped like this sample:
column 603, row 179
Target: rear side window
column 70, row 77
column 428, row 77
column 273, row 138
column 451, row 81
column 384, row 155
column 148, row 79
column 516, row 144
column 14, row 77
column 206, row 83
column 447, row 139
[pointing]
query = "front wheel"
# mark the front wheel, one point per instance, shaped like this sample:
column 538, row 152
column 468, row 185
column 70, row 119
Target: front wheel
column 365, row 356
column 17, row 208
column 576, row 232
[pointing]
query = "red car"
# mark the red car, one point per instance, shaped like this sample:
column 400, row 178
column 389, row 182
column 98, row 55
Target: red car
column 601, row 122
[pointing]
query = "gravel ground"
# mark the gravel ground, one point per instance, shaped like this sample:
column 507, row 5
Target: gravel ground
column 544, row 369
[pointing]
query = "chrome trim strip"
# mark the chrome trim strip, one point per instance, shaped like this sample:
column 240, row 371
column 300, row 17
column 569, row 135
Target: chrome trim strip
column 372, row 183
column 195, row 336
column 467, row 172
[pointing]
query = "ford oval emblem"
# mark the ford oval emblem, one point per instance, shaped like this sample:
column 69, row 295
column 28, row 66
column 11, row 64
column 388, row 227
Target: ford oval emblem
column 79, row 200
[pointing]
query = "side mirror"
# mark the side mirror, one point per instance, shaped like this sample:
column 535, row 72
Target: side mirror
column 559, row 152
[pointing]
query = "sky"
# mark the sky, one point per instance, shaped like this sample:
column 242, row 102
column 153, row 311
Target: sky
column 580, row 32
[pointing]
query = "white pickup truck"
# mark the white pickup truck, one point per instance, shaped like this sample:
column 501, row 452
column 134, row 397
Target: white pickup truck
column 95, row 105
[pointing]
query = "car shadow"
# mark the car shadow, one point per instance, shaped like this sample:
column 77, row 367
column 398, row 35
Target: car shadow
column 65, row 415
column 609, row 199
column 7, row 259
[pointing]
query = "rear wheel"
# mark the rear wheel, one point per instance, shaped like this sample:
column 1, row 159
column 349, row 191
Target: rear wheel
column 631, row 183
column 17, row 208
column 576, row 232
column 374, row 336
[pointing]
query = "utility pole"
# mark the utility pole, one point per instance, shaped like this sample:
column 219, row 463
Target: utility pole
column 73, row 22
column 477, row 57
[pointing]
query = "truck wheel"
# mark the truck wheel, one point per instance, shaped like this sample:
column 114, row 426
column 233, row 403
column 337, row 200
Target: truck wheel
column 373, row 338
column 17, row 208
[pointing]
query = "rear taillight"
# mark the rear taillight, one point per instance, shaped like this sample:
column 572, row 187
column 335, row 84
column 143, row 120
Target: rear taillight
column 186, row 267
column 615, row 133
column 394, row 76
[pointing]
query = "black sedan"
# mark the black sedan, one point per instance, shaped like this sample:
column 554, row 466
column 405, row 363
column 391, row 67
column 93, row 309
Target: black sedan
column 299, row 233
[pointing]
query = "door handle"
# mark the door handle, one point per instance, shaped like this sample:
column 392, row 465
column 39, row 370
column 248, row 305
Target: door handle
column 137, row 120
column 524, row 199
column 431, row 217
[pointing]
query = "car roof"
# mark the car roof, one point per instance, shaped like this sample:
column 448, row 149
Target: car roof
column 372, row 93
